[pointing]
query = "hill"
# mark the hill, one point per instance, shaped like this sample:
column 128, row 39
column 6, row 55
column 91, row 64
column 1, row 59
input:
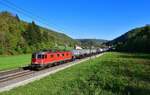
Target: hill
column 17, row 36
column 135, row 40
column 86, row 43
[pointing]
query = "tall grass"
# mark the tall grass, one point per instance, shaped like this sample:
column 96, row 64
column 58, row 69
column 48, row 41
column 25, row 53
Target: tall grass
column 110, row 74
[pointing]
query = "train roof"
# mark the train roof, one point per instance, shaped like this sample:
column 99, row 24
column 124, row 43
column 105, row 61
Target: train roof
column 48, row 51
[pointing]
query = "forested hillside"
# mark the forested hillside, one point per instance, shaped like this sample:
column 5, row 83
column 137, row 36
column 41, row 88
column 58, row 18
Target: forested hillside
column 86, row 43
column 17, row 36
column 136, row 40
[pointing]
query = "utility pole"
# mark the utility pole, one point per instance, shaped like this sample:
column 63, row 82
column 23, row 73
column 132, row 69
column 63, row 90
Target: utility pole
column 90, row 51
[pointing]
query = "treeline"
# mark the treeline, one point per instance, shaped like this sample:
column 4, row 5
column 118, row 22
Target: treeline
column 17, row 37
column 136, row 40
column 87, row 43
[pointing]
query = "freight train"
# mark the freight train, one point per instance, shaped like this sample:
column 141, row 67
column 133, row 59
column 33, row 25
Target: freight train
column 43, row 59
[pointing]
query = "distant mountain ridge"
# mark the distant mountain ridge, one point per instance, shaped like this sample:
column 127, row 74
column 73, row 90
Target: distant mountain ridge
column 17, row 36
column 94, row 42
column 135, row 40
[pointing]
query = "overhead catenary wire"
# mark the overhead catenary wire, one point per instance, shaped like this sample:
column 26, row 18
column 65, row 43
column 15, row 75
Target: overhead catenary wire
column 24, row 12
column 40, row 20
column 15, row 10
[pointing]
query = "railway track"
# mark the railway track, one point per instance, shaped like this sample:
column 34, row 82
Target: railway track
column 2, row 73
column 10, row 75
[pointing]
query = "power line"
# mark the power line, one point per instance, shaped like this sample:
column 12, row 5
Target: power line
column 26, row 11
column 22, row 11
column 15, row 9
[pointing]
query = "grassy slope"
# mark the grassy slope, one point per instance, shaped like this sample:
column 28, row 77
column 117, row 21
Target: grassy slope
column 111, row 74
column 10, row 62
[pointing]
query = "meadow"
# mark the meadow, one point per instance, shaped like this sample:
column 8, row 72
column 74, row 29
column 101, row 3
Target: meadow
column 111, row 74
column 14, row 61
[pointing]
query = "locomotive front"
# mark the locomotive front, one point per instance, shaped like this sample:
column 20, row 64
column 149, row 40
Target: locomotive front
column 37, row 60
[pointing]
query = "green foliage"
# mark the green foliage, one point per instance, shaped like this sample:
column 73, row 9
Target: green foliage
column 136, row 40
column 17, row 37
column 110, row 74
column 87, row 43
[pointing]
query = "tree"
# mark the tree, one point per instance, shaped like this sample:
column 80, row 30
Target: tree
column 18, row 36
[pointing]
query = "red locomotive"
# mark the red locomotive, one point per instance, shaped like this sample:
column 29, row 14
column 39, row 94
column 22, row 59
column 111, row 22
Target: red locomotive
column 49, row 58
column 44, row 59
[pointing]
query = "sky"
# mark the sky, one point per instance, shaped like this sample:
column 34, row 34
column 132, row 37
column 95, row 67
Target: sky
column 94, row 19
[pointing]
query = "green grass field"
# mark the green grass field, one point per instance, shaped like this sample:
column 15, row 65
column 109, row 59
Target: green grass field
column 11, row 62
column 110, row 74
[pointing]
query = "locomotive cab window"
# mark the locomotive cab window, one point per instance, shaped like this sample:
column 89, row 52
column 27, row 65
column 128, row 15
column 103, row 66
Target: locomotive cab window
column 33, row 55
column 40, row 56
